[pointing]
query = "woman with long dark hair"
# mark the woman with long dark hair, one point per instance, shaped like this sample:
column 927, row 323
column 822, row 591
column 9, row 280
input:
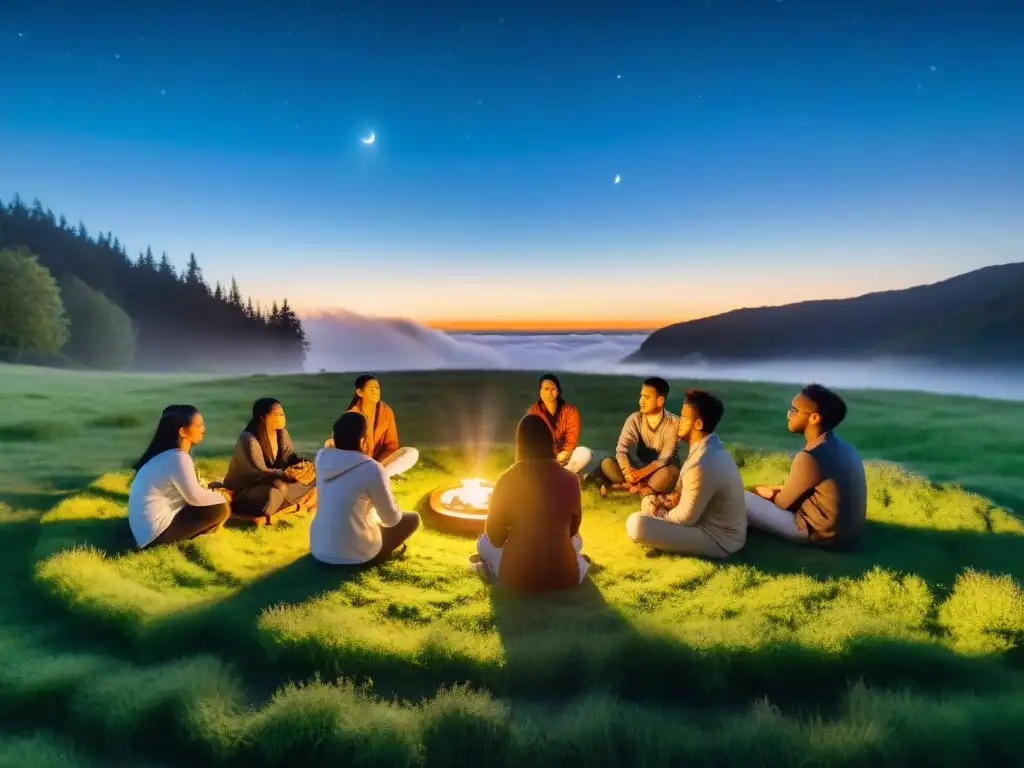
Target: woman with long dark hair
column 167, row 503
column 563, row 419
column 357, row 520
column 381, row 440
column 531, row 540
column 266, row 475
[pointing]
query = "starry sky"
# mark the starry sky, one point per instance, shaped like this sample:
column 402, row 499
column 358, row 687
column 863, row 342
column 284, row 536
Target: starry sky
column 768, row 151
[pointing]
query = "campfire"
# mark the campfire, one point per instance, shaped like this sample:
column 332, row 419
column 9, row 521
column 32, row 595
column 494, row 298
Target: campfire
column 468, row 501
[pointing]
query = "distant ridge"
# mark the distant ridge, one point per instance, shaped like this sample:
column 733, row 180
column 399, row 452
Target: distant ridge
column 977, row 317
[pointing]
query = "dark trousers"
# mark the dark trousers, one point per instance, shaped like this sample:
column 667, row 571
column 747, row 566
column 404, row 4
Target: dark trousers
column 192, row 522
column 267, row 499
column 661, row 480
column 395, row 536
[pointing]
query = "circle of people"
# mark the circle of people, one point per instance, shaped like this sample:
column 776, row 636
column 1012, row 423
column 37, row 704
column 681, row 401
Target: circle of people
column 696, row 505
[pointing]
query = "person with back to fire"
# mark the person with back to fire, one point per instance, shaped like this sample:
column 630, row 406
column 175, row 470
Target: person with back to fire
column 531, row 542
column 706, row 515
column 824, row 499
column 381, row 441
column 358, row 521
column 646, row 456
column 563, row 419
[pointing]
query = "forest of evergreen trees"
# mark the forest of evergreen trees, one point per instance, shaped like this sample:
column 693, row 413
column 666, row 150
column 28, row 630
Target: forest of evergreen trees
column 179, row 322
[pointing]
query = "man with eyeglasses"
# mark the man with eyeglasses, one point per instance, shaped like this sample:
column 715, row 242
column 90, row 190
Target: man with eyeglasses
column 824, row 499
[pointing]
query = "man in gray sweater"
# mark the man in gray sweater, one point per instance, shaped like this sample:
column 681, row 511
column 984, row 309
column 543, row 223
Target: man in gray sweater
column 705, row 515
column 824, row 499
column 646, row 457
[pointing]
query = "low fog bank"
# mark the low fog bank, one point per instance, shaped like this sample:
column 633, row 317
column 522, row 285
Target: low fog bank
column 344, row 342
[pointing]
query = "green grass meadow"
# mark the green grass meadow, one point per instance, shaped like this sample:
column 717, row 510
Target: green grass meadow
column 238, row 649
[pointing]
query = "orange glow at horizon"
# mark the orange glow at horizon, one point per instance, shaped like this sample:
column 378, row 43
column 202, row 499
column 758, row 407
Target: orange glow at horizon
column 542, row 324
column 507, row 304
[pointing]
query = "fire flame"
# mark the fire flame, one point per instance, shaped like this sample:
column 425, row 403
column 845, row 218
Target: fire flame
column 474, row 492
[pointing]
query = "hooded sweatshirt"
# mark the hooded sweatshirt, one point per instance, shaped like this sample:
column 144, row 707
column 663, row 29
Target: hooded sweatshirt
column 353, row 493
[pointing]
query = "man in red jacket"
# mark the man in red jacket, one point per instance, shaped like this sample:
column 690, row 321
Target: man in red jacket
column 563, row 419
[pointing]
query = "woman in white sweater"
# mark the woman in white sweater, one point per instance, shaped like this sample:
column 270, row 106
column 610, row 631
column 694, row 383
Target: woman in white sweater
column 357, row 520
column 167, row 503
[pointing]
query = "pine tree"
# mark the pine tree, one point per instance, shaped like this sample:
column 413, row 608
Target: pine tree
column 193, row 274
column 146, row 260
column 250, row 311
column 235, row 295
column 82, row 231
column 166, row 269
column 218, row 292
column 62, row 222
column 275, row 316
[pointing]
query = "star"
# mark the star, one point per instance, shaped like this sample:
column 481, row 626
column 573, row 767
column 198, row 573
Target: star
column 21, row 34
column 117, row 55
column 163, row 92
column 618, row 178
column 618, row 77
column 933, row 68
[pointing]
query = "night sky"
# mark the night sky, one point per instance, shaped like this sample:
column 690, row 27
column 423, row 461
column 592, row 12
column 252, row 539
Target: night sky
column 767, row 151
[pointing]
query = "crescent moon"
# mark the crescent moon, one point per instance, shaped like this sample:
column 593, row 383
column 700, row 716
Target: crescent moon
column 370, row 139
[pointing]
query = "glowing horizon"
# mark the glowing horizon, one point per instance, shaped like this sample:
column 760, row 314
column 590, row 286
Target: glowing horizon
column 533, row 314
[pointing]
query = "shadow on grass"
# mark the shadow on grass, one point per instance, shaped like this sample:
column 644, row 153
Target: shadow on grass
column 38, row 501
column 112, row 536
column 573, row 643
column 936, row 556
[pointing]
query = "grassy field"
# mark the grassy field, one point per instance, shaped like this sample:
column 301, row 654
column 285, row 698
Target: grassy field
column 238, row 649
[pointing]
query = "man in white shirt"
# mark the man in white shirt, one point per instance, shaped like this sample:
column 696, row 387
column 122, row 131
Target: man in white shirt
column 705, row 515
column 358, row 520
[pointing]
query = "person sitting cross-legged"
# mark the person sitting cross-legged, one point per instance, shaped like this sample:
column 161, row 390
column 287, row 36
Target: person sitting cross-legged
column 358, row 520
column 266, row 475
column 646, row 456
column 167, row 502
column 564, row 421
column 705, row 515
column 824, row 499
column 531, row 541
column 381, row 441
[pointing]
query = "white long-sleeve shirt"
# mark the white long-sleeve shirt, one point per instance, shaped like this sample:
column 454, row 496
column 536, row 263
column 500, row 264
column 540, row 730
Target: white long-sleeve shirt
column 160, row 490
column 353, row 501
